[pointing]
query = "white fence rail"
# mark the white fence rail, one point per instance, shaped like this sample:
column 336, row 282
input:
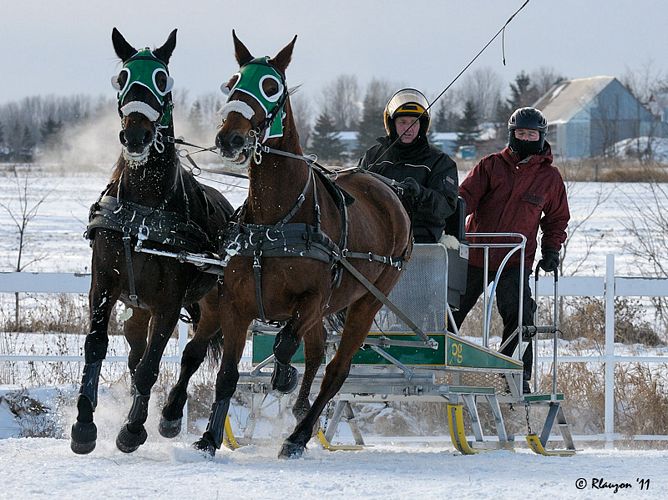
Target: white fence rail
column 607, row 287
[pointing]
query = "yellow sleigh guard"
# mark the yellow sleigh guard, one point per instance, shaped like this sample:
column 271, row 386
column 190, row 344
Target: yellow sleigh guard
column 228, row 439
column 456, row 426
column 537, row 447
column 335, row 447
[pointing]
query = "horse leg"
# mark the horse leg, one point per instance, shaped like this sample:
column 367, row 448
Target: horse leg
column 101, row 300
column 135, row 331
column 358, row 321
column 207, row 333
column 133, row 434
column 234, row 341
column 285, row 377
column 305, row 316
column 314, row 351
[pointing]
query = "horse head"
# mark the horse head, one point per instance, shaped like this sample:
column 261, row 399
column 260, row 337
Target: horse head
column 257, row 104
column 144, row 96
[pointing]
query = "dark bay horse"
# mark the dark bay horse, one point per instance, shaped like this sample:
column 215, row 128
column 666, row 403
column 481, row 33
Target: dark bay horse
column 293, row 245
column 153, row 203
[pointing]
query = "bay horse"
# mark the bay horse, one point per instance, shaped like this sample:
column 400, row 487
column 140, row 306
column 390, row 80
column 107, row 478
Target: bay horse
column 153, row 203
column 291, row 246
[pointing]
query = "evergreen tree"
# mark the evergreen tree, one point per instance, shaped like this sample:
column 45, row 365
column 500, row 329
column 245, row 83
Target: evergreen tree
column 196, row 119
column 4, row 150
column 522, row 93
column 371, row 125
column 444, row 120
column 467, row 126
column 325, row 139
column 49, row 132
column 26, row 147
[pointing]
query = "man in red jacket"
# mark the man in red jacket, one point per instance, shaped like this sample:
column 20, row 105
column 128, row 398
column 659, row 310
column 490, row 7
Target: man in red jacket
column 515, row 191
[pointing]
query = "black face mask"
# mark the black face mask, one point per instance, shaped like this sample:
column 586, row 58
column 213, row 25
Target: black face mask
column 524, row 148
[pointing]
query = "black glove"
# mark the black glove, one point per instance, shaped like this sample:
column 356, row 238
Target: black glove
column 549, row 261
column 410, row 188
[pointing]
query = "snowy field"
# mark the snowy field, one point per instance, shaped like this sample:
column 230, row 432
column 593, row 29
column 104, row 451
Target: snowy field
column 55, row 234
column 45, row 468
column 389, row 468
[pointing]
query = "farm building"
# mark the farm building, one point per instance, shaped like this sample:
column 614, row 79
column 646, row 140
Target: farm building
column 587, row 116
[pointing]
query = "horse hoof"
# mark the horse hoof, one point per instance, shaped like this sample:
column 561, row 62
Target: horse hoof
column 84, row 435
column 291, row 450
column 285, row 378
column 205, row 446
column 169, row 428
column 128, row 441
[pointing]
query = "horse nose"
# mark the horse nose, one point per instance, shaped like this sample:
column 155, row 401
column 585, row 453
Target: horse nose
column 230, row 142
column 135, row 137
column 237, row 141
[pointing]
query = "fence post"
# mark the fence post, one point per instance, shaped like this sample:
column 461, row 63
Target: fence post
column 609, row 351
column 183, row 339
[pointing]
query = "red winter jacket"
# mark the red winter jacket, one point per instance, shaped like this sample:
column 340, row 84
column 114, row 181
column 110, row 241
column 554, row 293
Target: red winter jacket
column 506, row 195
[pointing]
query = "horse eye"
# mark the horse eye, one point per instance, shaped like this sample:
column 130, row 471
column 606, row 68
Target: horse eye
column 269, row 87
column 227, row 88
column 122, row 79
column 161, row 81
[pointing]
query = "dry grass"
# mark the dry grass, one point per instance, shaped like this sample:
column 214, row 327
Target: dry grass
column 612, row 170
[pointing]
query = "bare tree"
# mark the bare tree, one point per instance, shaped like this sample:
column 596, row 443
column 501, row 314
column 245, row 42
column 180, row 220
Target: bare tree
column 544, row 78
column 575, row 265
column 22, row 216
column 647, row 222
column 371, row 125
column 301, row 111
column 445, row 113
column 341, row 101
column 482, row 87
column 645, row 83
column 645, row 80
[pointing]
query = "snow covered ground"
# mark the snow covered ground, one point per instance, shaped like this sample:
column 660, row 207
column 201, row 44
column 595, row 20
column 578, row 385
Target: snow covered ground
column 46, row 468
column 389, row 468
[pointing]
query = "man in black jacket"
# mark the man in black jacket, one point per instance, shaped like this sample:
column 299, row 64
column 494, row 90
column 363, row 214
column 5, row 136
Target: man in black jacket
column 426, row 176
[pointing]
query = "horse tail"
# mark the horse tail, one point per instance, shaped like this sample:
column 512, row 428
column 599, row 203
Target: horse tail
column 215, row 350
column 195, row 314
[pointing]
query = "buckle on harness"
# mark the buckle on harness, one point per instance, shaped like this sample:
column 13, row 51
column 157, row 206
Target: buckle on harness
column 256, row 259
column 142, row 236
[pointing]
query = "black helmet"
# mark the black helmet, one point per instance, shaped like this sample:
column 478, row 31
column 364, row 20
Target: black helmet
column 406, row 102
column 529, row 118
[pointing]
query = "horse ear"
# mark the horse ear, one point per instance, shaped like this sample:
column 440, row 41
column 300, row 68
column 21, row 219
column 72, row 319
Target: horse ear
column 282, row 59
column 123, row 49
column 242, row 54
column 165, row 52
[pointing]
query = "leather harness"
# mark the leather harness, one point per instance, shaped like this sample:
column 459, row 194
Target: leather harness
column 286, row 239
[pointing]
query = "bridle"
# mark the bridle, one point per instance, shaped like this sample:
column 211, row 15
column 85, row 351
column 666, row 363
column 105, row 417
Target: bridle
column 142, row 70
column 249, row 82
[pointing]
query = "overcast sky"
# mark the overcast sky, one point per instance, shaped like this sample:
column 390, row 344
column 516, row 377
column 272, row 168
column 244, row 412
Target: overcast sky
column 64, row 47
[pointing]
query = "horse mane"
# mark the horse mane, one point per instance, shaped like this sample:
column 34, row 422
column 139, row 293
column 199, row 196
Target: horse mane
column 119, row 168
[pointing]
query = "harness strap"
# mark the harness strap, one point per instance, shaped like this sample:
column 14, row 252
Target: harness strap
column 128, row 262
column 383, row 299
column 300, row 202
column 257, row 273
column 372, row 257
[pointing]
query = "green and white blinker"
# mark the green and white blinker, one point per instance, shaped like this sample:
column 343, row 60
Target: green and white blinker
column 148, row 71
column 251, row 80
